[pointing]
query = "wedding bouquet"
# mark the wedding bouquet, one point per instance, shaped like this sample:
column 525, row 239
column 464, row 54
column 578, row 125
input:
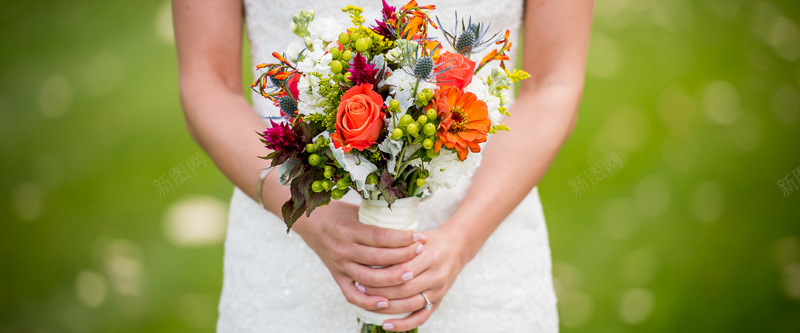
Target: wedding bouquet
column 387, row 110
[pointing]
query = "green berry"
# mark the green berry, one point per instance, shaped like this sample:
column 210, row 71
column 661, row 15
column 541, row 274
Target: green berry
column 405, row 120
column 344, row 38
column 336, row 53
column 431, row 154
column 427, row 144
column 431, row 114
column 337, row 194
column 429, row 129
column 362, row 45
column 372, row 179
column 420, row 182
column 347, row 77
column 311, row 148
column 428, row 93
column 422, row 119
column 412, row 129
column 421, row 97
column 394, row 104
column 316, row 186
column 328, row 173
column 347, row 55
column 338, row 77
column 354, row 37
column 397, row 134
column 314, row 159
column 327, row 185
column 369, row 41
column 342, row 184
column 336, row 67
column 319, row 141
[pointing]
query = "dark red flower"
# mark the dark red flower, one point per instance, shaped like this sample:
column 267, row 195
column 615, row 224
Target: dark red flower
column 362, row 71
column 280, row 137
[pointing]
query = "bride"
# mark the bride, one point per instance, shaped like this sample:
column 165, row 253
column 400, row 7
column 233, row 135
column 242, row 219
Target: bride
column 481, row 256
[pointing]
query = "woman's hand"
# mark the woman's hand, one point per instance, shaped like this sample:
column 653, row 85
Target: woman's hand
column 434, row 271
column 348, row 247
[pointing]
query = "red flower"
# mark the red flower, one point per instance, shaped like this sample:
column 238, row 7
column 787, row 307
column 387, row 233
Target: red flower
column 359, row 121
column 460, row 73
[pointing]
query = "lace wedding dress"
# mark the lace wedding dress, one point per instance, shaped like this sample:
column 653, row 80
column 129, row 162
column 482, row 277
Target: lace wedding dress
column 275, row 283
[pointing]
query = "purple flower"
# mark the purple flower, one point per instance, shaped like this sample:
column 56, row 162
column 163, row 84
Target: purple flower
column 362, row 71
column 280, row 137
column 388, row 15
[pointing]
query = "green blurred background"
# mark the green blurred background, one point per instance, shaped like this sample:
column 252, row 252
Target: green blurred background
column 697, row 99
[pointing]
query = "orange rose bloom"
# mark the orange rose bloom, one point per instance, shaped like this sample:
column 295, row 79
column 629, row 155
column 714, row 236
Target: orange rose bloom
column 359, row 121
column 464, row 121
column 459, row 75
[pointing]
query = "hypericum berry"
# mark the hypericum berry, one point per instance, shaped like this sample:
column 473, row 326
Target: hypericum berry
column 287, row 104
column 428, row 93
column 362, row 45
column 311, row 148
column 335, row 53
column 431, row 114
column 429, row 129
column 405, row 120
column 431, row 154
column 316, row 186
column 327, row 185
column 412, row 129
column 347, row 77
column 338, row 77
column 314, row 159
column 394, row 104
column 328, row 173
column 427, row 144
column 424, row 67
column 342, row 184
column 355, row 37
column 336, row 67
column 344, row 38
column 421, row 97
column 319, row 141
column 422, row 119
column 347, row 55
column 337, row 194
column 420, row 182
column 397, row 134
column 372, row 179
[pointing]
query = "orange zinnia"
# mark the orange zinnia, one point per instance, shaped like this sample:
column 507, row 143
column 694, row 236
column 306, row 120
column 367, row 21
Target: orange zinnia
column 464, row 122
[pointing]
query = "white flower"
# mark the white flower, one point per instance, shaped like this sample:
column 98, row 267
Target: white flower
column 446, row 169
column 326, row 29
column 293, row 51
column 403, row 87
column 308, row 89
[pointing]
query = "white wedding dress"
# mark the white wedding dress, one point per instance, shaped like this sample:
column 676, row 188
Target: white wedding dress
column 274, row 282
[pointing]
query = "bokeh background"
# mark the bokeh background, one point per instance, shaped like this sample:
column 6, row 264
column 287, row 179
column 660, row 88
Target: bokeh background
column 697, row 100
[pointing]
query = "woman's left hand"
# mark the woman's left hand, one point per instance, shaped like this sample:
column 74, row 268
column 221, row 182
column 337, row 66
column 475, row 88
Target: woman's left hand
column 436, row 269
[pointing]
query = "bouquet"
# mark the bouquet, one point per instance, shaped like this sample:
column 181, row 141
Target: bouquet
column 387, row 110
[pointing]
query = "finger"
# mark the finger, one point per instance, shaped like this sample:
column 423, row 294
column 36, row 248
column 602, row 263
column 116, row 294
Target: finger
column 405, row 305
column 358, row 298
column 407, row 289
column 378, row 256
column 411, row 322
column 381, row 237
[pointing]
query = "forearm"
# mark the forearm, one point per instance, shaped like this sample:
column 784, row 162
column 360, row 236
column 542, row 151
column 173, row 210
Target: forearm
column 514, row 162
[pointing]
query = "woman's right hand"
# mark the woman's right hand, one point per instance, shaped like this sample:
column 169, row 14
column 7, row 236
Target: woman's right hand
column 348, row 247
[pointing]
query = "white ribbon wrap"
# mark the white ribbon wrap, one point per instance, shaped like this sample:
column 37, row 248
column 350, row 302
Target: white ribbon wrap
column 402, row 216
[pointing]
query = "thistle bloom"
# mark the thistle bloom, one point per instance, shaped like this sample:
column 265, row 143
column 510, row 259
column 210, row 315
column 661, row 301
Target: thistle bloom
column 464, row 122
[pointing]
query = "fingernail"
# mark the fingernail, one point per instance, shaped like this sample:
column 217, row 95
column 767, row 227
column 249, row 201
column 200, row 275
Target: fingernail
column 419, row 249
column 388, row 326
column 383, row 305
column 407, row 276
column 362, row 289
column 416, row 236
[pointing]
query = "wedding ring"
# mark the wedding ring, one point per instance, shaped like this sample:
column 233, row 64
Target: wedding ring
column 428, row 304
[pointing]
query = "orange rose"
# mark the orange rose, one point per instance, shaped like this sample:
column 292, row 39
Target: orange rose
column 359, row 121
column 460, row 73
